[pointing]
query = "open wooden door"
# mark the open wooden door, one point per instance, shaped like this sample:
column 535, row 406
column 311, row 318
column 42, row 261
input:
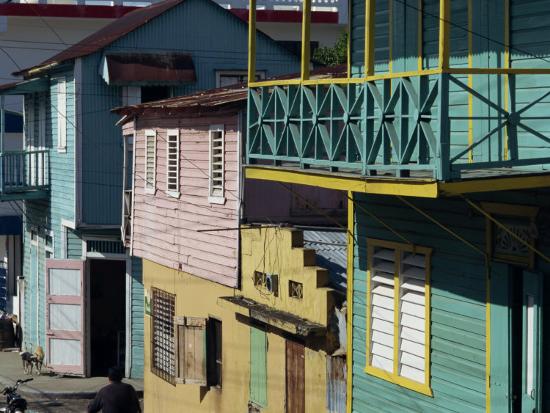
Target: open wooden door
column 65, row 316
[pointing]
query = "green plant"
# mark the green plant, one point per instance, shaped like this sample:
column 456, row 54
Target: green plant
column 335, row 55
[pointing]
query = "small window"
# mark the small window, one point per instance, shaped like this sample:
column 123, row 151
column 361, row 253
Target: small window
column 34, row 237
column 225, row 78
column 163, row 349
column 154, row 93
column 131, row 95
column 295, row 289
column 217, row 165
column 398, row 326
column 214, row 350
column 150, row 160
column 30, row 121
column 48, row 245
column 267, row 283
column 173, row 162
column 61, row 109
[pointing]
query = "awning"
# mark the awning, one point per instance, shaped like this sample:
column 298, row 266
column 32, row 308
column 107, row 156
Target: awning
column 148, row 68
column 277, row 318
column 25, row 86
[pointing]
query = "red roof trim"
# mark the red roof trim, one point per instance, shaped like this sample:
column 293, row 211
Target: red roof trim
column 287, row 16
column 64, row 10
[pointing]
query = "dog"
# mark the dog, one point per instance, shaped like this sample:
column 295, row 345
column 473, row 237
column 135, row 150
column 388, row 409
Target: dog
column 33, row 361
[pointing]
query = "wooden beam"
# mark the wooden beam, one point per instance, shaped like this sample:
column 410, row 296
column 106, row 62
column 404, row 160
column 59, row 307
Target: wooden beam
column 252, row 41
column 306, row 34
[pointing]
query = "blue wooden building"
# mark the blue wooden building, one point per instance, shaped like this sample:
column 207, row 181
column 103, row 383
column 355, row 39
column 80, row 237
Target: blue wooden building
column 440, row 136
column 83, row 298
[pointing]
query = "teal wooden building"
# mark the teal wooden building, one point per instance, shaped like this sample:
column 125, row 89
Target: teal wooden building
column 83, row 292
column 439, row 134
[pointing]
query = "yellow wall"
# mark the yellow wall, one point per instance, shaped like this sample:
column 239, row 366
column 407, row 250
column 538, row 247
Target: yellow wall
column 196, row 297
column 280, row 251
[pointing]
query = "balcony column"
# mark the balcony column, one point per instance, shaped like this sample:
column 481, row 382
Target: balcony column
column 443, row 164
column 444, row 33
column 2, row 132
column 369, row 37
column 252, row 41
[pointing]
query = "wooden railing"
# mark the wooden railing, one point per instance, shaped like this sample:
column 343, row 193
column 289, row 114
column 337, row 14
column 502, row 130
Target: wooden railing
column 429, row 124
column 24, row 171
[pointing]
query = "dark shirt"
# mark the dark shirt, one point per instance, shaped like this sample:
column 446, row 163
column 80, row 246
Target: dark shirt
column 116, row 397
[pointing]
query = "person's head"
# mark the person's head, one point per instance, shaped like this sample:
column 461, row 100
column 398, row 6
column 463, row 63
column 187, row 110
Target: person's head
column 114, row 374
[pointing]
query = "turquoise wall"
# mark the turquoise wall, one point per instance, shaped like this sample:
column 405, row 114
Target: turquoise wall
column 458, row 291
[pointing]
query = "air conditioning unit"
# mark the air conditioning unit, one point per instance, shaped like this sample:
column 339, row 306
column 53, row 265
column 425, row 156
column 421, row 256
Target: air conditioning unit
column 272, row 284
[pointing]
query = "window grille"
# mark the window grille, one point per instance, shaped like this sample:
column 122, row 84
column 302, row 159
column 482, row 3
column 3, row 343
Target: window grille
column 295, row 289
column 163, row 354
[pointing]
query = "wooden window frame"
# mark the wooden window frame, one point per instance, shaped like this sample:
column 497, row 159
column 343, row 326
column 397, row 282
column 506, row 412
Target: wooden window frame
column 150, row 186
column 212, row 198
column 183, row 324
column 170, row 133
column 61, row 114
column 497, row 210
column 393, row 377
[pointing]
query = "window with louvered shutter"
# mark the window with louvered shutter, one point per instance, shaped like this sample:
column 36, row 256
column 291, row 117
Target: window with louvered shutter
column 217, row 164
column 172, row 162
column 150, row 161
column 61, row 108
column 398, row 314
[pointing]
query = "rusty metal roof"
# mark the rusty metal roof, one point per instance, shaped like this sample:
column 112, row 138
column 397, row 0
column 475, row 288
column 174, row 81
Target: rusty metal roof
column 105, row 36
column 205, row 100
column 158, row 68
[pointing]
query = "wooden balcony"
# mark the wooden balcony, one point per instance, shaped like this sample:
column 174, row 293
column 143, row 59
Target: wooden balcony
column 435, row 125
column 24, row 174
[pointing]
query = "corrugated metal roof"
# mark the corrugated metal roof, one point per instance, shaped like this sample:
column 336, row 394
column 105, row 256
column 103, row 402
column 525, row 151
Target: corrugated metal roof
column 105, row 36
column 331, row 250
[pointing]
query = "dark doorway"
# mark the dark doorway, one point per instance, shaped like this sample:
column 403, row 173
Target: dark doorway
column 107, row 315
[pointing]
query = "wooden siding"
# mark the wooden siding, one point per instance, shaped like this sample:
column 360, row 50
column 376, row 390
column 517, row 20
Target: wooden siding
column 458, row 291
column 74, row 245
column 136, row 318
column 165, row 228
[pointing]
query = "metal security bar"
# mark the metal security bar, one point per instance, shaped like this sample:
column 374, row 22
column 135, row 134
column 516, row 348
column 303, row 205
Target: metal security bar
column 163, row 354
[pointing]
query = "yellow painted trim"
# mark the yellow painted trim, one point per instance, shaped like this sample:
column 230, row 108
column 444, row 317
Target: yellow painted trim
column 496, row 71
column 370, row 19
column 444, row 33
column 487, row 339
column 279, row 82
column 494, row 184
column 350, row 269
column 393, row 377
column 470, row 81
column 419, row 36
column 418, row 188
column 252, row 42
column 507, row 66
column 306, row 32
column 336, row 81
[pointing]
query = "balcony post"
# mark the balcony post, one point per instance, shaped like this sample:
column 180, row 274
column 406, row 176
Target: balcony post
column 369, row 36
column 306, row 44
column 443, row 166
column 252, row 41
column 444, row 33
column 2, row 131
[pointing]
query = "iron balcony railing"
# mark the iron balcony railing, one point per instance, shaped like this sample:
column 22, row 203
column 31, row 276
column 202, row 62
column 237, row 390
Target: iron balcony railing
column 24, row 171
column 438, row 125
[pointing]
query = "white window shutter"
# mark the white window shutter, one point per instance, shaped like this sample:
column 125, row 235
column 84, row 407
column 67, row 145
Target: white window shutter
column 217, row 164
column 61, row 113
column 173, row 162
column 150, row 160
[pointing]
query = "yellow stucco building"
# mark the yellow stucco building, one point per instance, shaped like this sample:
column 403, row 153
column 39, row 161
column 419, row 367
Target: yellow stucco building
column 260, row 348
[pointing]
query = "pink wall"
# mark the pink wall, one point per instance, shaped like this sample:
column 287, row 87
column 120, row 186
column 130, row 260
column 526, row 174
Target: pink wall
column 165, row 229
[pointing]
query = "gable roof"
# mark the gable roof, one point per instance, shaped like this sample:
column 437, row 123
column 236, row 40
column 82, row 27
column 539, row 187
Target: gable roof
column 105, row 36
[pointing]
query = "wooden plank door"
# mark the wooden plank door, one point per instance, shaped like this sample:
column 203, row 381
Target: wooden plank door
column 532, row 343
column 258, row 367
column 65, row 316
column 295, row 377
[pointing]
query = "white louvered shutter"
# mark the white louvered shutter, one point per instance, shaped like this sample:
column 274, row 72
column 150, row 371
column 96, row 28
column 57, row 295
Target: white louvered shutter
column 382, row 309
column 150, row 161
column 172, row 161
column 61, row 113
column 412, row 317
column 217, row 159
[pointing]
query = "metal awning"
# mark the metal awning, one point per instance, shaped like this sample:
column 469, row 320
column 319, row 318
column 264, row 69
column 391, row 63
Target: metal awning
column 24, row 87
column 148, row 68
column 277, row 318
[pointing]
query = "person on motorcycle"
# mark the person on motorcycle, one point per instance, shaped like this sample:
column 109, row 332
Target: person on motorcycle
column 116, row 397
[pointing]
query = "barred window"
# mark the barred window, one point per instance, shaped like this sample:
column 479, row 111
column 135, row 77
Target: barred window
column 163, row 353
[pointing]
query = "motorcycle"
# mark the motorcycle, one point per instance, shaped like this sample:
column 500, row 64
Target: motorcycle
column 16, row 403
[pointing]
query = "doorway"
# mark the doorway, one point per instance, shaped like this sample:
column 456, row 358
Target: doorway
column 295, row 377
column 107, row 315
